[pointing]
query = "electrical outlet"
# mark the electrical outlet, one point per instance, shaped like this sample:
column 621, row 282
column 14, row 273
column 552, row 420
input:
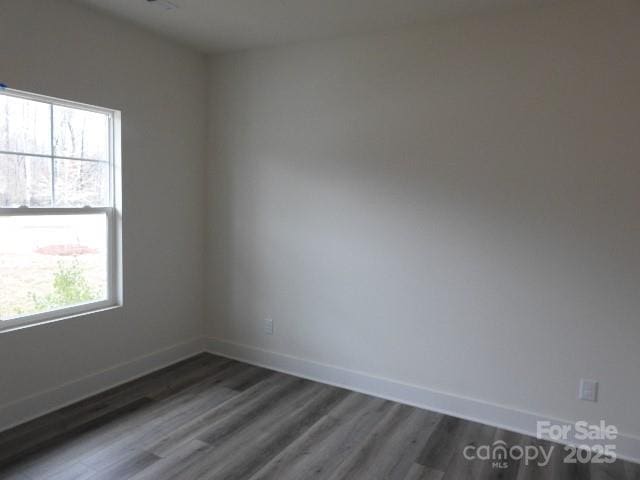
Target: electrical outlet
column 268, row 326
column 588, row 390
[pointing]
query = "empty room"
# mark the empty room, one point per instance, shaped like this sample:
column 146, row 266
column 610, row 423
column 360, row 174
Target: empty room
column 319, row 239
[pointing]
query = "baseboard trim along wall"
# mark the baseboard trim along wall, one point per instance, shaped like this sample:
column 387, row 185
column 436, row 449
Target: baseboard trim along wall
column 41, row 403
column 627, row 446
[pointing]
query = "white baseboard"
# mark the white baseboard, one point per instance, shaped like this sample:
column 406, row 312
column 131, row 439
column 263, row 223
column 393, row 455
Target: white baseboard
column 33, row 406
column 627, row 446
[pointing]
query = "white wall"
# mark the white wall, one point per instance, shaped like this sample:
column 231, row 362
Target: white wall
column 455, row 207
column 63, row 50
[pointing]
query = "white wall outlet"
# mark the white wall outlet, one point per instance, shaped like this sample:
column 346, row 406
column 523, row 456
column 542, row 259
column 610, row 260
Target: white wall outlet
column 588, row 390
column 268, row 326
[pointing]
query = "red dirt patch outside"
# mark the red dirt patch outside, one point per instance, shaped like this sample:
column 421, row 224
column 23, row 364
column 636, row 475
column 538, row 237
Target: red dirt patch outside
column 65, row 250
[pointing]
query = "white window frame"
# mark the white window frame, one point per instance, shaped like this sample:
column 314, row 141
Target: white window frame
column 113, row 213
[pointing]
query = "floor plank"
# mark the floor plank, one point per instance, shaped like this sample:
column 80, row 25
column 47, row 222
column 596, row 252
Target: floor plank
column 209, row 417
column 329, row 442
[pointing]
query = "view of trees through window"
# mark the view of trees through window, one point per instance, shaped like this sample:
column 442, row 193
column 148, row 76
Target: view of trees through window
column 52, row 157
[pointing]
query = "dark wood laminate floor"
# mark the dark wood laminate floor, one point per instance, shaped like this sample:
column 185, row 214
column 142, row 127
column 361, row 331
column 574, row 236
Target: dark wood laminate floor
column 213, row 418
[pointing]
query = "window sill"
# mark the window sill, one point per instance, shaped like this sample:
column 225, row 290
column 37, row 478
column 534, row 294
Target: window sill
column 7, row 326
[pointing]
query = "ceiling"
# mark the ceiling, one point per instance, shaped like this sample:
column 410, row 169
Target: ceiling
column 222, row 25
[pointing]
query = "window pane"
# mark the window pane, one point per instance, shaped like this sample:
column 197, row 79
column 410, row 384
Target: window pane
column 48, row 262
column 25, row 125
column 79, row 183
column 80, row 133
column 25, row 181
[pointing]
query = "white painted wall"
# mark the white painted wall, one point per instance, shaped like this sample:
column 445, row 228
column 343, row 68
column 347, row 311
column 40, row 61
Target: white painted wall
column 455, row 208
column 63, row 50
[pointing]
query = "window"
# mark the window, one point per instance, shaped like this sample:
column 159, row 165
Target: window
column 59, row 208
